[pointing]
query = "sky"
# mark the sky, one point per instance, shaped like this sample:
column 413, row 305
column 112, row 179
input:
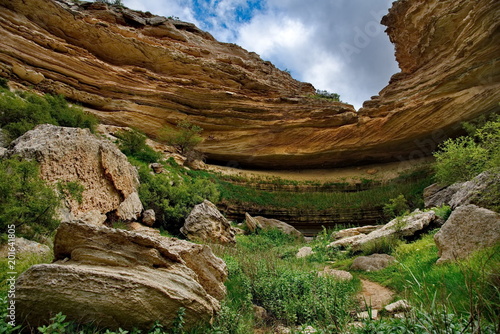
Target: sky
column 337, row 45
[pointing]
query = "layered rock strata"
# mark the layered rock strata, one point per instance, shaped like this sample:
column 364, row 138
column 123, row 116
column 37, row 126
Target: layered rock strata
column 148, row 72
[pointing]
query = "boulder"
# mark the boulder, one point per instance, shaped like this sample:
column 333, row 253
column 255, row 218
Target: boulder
column 372, row 262
column 338, row 274
column 149, row 217
column 252, row 224
column 206, row 223
column 468, row 229
column 157, row 168
column 399, row 227
column 76, row 155
column 350, row 232
column 304, row 252
column 102, row 274
column 399, row 306
column 25, row 247
column 268, row 223
column 478, row 190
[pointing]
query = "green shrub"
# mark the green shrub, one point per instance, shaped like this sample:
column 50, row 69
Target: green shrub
column 22, row 111
column 396, row 207
column 463, row 158
column 184, row 138
column 323, row 94
column 133, row 143
column 4, row 83
column 385, row 245
column 172, row 196
column 26, row 201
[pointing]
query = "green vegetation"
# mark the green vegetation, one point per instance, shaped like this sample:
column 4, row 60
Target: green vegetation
column 173, row 195
column 184, row 138
column 22, row 111
column 133, row 144
column 26, row 201
column 463, row 158
column 325, row 95
column 459, row 292
column 396, row 207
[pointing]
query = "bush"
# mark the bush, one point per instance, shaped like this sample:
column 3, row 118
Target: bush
column 26, row 201
column 185, row 138
column 22, row 111
column 463, row 158
column 133, row 144
column 396, row 207
column 172, row 197
column 323, row 94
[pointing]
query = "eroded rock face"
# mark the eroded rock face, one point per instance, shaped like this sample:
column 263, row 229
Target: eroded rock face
column 147, row 72
column 101, row 274
column 268, row 223
column 75, row 155
column 206, row 223
column 469, row 228
column 399, row 227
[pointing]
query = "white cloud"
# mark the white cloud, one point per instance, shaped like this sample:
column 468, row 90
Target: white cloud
column 337, row 45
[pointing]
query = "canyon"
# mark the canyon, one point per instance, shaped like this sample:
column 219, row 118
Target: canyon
column 150, row 72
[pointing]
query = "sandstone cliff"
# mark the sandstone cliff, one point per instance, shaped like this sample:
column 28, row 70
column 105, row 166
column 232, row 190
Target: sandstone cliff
column 147, row 72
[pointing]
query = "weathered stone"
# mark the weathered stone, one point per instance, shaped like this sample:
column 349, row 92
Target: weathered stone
column 252, row 224
column 339, row 274
column 347, row 241
column 268, row 223
column 399, row 227
column 96, row 264
column 399, row 306
column 350, row 232
column 75, row 155
column 469, row 228
column 24, row 247
column 260, row 313
column 3, row 152
column 28, row 75
column 157, row 168
column 372, row 314
column 149, row 217
column 477, row 190
column 206, row 223
column 437, row 195
column 445, row 67
column 372, row 262
column 139, row 228
column 304, row 252
column 92, row 217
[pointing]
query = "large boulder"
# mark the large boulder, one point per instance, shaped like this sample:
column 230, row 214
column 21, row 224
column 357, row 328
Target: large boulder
column 252, row 224
column 206, row 223
column 400, row 227
column 481, row 190
column 268, row 223
column 114, row 278
column 75, row 155
column 469, row 228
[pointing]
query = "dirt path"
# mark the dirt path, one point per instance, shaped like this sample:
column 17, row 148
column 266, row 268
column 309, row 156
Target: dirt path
column 380, row 172
column 374, row 295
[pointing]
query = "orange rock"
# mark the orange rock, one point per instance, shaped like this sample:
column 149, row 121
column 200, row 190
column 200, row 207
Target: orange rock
column 146, row 72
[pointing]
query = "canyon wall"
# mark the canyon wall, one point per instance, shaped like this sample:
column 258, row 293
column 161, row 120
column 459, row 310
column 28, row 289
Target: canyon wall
column 148, row 72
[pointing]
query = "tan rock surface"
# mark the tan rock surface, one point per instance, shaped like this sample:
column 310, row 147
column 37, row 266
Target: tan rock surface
column 75, row 155
column 101, row 274
column 148, row 72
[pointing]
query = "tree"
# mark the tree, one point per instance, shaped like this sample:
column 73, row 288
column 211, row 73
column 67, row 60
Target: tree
column 184, row 138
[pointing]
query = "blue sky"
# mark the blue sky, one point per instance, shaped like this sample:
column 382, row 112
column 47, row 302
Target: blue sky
column 337, row 45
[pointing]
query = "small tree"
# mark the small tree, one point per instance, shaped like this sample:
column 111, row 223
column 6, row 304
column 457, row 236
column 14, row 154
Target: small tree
column 184, row 138
column 133, row 143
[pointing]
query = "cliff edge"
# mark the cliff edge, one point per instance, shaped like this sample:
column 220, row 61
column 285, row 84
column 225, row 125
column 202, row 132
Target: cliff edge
column 145, row 71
